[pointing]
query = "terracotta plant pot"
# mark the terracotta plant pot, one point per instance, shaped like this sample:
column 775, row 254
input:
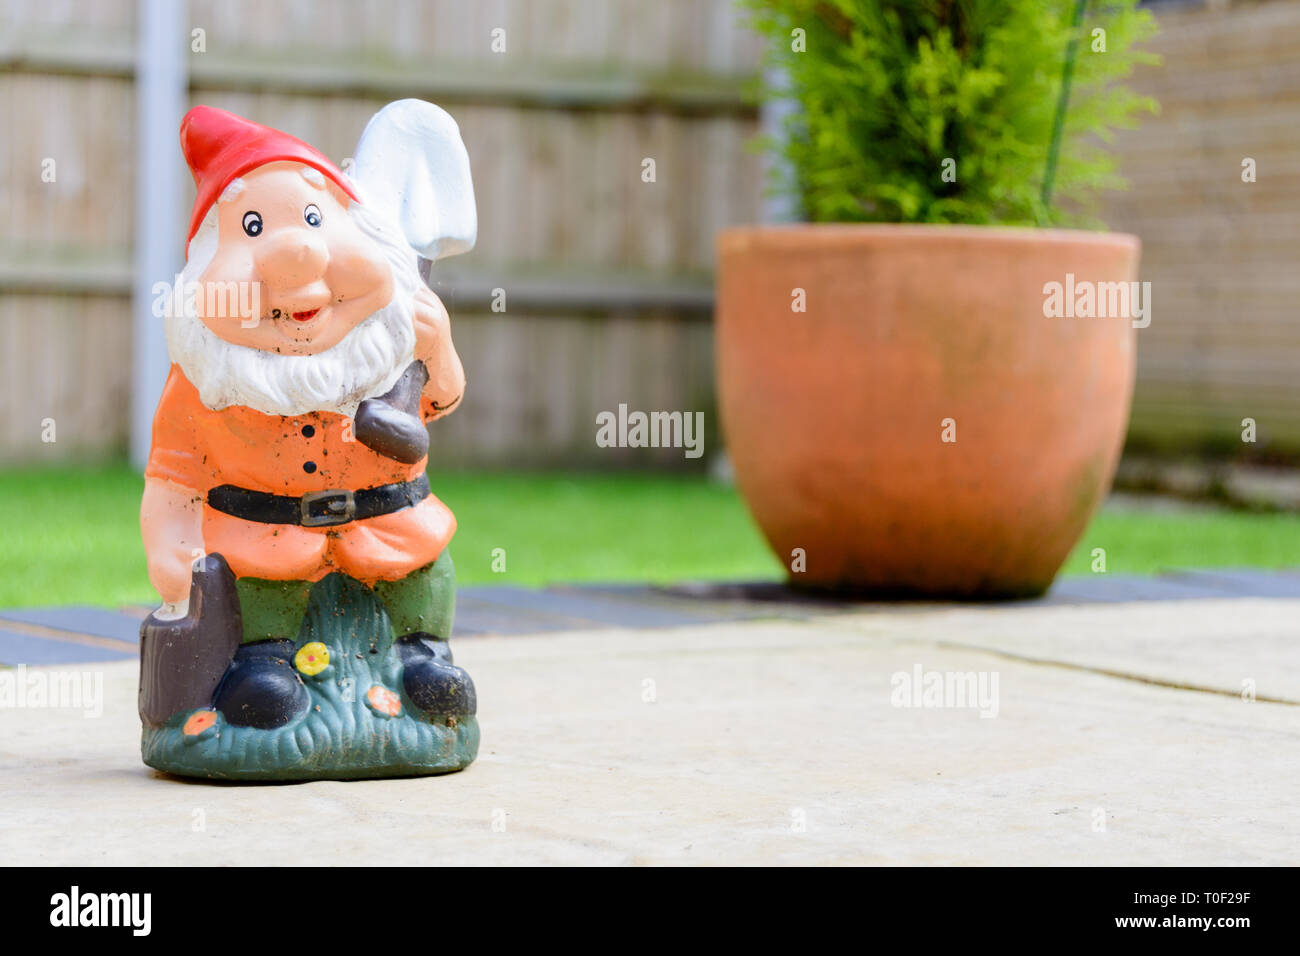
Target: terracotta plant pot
column 835, row 417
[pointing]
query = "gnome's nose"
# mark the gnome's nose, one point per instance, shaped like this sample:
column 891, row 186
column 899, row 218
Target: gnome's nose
column 291, row 259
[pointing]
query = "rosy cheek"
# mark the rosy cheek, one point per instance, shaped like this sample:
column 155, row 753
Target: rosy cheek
column 358, row 270
column 232, row 263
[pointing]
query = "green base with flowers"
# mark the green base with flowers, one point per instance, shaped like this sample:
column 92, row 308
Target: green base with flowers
column 359, row 722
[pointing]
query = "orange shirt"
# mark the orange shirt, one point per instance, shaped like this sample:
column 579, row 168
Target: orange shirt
column 200, row 448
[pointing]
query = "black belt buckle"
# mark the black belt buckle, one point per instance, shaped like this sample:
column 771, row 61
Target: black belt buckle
column 320, row 509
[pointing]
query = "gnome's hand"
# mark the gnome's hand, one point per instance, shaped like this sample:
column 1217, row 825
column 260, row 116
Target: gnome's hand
column 433, row 346
column 411, row 166
column 390, row 423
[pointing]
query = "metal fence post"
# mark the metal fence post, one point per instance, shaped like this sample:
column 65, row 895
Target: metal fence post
column 161, row 92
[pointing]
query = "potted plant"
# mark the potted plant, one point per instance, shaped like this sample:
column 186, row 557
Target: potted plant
column 912, row 402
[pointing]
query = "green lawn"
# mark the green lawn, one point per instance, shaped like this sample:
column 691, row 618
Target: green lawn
column 71, row 536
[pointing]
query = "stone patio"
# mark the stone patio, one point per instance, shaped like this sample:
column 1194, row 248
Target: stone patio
column 733, row 724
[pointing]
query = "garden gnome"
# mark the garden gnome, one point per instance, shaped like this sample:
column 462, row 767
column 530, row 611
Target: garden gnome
column 302, row 560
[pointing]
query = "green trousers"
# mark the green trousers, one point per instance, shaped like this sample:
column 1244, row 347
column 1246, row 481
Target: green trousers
column 424, row 600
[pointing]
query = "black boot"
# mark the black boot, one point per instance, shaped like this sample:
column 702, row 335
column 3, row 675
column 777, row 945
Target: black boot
column 432, row 682
column 261, row 689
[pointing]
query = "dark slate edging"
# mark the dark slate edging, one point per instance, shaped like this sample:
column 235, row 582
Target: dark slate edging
column 94, row 621
column 507, row 610
column 17, row 647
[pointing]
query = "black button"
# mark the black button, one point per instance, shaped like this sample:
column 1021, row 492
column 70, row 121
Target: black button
column 308, row 431
column 309, row 466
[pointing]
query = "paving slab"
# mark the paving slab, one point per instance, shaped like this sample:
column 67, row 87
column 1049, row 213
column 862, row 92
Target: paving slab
column 1233, row 646
column 759, row 741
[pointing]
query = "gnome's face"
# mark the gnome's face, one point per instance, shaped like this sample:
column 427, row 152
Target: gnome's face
column 287, row 228
column 306, row 280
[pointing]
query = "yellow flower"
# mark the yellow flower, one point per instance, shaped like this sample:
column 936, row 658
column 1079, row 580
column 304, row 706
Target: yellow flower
column 312, row 658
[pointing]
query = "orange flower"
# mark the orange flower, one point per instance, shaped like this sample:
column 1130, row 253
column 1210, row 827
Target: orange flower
column 383, row 701
column 198, row 722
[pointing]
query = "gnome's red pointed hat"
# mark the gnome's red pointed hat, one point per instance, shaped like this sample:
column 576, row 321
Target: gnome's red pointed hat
column 220, row 146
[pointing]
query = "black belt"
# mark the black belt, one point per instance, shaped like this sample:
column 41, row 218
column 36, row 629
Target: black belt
column 318, row 508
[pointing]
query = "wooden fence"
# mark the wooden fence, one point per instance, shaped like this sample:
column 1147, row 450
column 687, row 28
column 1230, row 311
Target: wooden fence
column 607, row 277
column 1222, row 255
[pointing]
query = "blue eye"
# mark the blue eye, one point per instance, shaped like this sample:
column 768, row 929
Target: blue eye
column 312, row 215
column 253, row 223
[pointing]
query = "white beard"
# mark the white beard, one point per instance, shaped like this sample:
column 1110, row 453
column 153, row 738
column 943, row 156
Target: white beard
column 367, row 362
